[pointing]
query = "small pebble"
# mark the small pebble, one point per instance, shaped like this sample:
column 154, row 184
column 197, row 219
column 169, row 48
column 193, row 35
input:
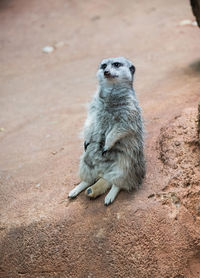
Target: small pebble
column 118, row 216
column 177, row 143
column 185, row 22
column 96, row 17
column 1, row 129
column 188, row 22
column 194, row 23
column 38, row 185
column 48, row 49
column 151, row 195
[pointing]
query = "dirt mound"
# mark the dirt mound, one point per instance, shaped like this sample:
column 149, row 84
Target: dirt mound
column 179, row 150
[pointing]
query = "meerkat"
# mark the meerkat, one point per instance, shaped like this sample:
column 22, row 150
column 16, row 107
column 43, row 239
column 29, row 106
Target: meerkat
column 113, row 134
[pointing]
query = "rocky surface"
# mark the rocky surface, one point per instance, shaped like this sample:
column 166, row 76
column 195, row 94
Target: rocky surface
column 153, row 232
column 179, row 150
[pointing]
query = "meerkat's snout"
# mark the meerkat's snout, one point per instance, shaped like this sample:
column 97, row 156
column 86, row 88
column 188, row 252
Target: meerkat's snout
column 110, row 73
column 107, row 74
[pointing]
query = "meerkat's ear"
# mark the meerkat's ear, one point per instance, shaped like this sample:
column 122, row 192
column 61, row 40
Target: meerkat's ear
column 132, row 69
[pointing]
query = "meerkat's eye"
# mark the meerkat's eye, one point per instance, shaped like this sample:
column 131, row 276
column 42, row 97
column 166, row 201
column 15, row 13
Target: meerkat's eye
column 117, row 64
column 103, row 66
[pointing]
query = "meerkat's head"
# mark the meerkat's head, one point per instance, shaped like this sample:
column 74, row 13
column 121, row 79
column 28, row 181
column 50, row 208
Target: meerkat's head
column 115, row 71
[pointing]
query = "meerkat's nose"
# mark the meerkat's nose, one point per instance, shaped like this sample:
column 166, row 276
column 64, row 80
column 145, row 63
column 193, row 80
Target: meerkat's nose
column 107, row 73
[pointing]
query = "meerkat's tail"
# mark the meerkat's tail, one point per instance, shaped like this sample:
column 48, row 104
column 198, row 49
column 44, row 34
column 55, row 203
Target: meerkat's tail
column 97, row 189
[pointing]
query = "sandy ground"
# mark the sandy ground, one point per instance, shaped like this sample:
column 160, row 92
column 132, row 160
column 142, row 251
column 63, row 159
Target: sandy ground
column 43, row 101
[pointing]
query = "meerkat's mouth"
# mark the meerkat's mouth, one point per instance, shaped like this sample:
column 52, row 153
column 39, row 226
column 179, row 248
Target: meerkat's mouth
column 110, row 76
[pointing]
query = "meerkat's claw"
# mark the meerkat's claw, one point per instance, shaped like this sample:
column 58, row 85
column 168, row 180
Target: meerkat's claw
column 104, row 151
column 86, row 144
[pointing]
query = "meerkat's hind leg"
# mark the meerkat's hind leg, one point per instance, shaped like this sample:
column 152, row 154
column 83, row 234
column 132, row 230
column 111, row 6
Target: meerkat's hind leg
column 80, row 187
column 97, row 189
column 112, row 194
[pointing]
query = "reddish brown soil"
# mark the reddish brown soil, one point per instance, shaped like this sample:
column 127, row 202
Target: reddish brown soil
column 150, row 233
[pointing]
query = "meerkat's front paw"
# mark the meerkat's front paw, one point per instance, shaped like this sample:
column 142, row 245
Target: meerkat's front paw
column 110, row 197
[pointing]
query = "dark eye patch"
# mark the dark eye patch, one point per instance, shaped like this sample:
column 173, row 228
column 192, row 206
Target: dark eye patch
column 103, row 66
column 117, row 64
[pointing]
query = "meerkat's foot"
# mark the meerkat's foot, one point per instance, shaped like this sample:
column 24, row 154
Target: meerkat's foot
column 97, row 189
column 110, row 197
column 80, row 187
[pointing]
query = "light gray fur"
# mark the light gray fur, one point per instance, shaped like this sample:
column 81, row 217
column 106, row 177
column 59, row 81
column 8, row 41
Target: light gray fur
column 114, row 130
